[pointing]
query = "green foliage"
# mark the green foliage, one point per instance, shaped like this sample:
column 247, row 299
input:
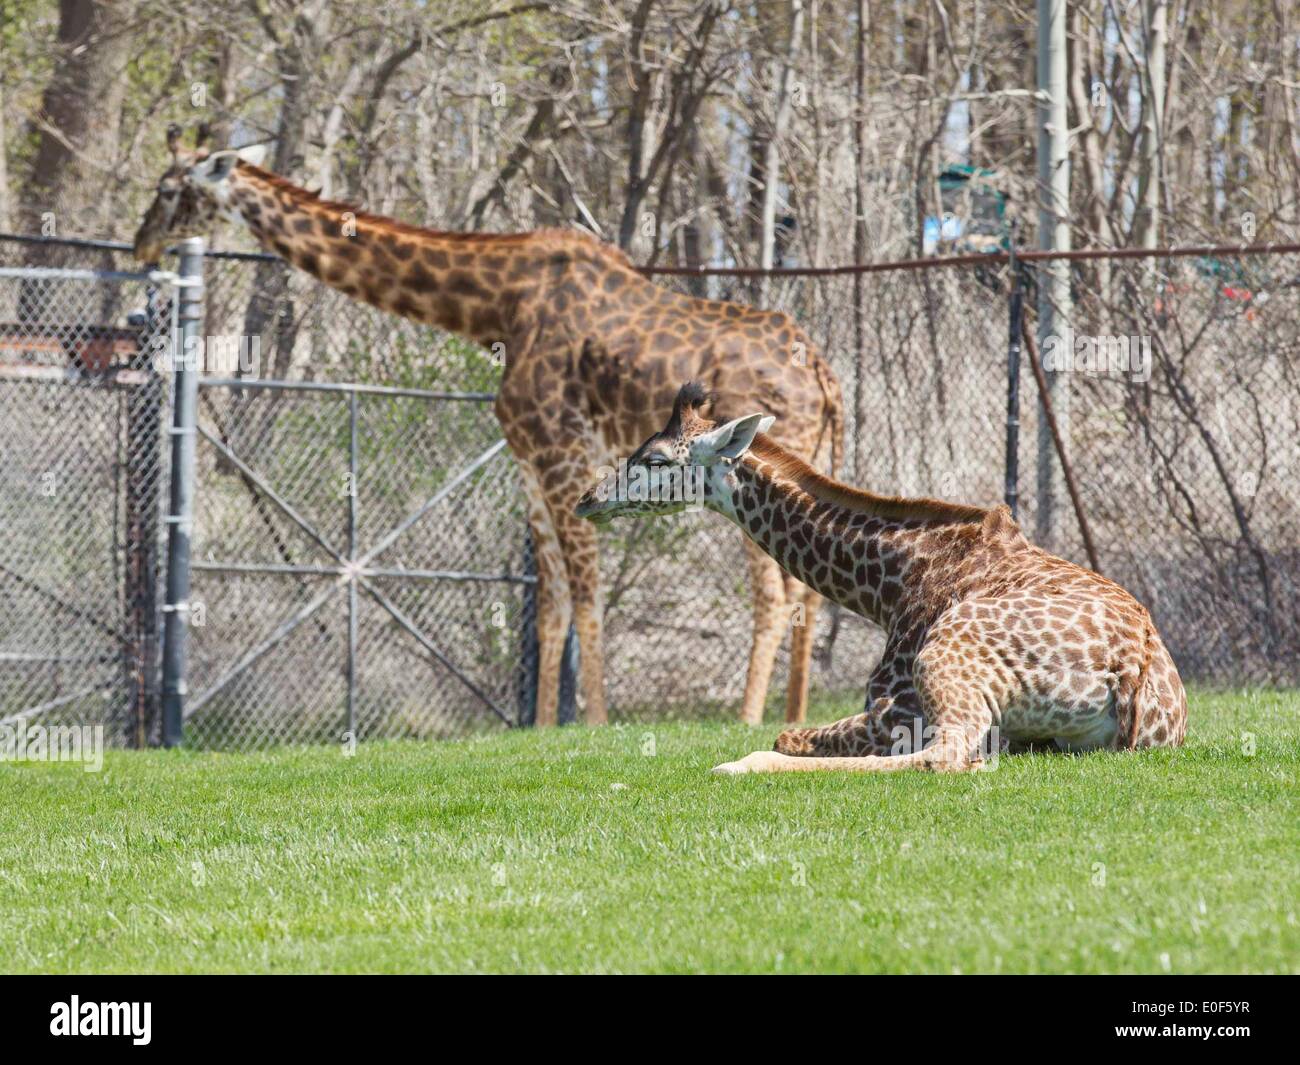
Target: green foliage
column 435, row 361
column 26, row 28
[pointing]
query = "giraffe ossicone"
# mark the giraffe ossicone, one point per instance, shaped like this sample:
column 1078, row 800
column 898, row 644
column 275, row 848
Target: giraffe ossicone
column 991, row 643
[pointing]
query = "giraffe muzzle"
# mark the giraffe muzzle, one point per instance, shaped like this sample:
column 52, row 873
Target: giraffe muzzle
column 147, row 250
column 597, row 511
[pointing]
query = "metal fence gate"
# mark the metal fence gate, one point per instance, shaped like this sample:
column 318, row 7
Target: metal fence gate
column 84, row 473
column 356, row 556
column 334, row 561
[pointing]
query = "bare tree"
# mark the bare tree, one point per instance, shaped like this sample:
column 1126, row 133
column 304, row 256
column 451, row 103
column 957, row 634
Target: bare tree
column 79, row 118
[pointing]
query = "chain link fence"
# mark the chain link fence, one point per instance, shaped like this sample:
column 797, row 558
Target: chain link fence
column 358, row 557
column 83, row 474
column 1187, row 453
column 1183, row 378
column 357, row 553
column 1182, row 393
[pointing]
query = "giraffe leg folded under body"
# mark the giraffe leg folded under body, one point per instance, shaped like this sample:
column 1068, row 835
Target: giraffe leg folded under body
column 851, row 737
column 951, row 751
column 948, row 694
column 887, row 717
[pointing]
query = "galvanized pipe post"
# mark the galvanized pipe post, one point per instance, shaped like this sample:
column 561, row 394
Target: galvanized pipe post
column 186, row 366
column 353, row 473
column 1016, row 316
column 1054, row 311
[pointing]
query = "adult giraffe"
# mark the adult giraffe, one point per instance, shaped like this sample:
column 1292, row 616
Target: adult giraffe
column 593, row 356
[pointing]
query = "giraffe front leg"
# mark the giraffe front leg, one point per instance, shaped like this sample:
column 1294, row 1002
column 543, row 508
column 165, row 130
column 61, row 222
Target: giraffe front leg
column 951, row 751
column 853, row 736
column 768, row 588
column 554, row 612
column 948, row 692
column 578, row 543
column 804, row 602
column 554, row 606
column 891, row 712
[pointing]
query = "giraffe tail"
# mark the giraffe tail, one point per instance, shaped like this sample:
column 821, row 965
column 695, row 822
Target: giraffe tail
column 834, row 412
column 1157, row 703
column 1131, row 694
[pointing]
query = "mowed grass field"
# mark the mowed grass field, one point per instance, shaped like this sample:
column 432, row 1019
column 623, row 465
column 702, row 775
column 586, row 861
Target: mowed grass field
column 614, row 850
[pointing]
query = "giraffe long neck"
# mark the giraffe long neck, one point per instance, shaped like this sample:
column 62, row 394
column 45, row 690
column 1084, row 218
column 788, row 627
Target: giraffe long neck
column 878, row 556
column 464, row 283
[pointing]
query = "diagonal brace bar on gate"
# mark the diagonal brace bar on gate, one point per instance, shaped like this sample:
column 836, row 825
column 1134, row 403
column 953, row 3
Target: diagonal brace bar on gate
column 54, row 704
column 272, row 494
column 442, row 493
column 429, row 646
column 285, row 628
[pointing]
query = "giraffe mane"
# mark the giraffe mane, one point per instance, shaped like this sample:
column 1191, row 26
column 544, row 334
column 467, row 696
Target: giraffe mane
column 897, row 508
column 309, row 198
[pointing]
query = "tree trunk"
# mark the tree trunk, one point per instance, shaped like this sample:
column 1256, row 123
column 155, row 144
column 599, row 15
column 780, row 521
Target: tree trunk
column 6, row 219
column 772, row 147
column 1154, row 25
column 79, row 122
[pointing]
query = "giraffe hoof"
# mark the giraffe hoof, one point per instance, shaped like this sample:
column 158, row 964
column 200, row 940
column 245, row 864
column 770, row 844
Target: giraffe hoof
column 758, row 762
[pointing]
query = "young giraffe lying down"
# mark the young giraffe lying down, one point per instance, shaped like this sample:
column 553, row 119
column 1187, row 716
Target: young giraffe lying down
column 991, row 643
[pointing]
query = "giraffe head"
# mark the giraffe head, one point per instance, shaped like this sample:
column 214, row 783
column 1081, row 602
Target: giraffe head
column 192, row 192
column 671, row 470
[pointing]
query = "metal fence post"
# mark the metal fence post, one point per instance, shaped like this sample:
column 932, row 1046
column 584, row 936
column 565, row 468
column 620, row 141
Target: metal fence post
column 1016, row 314
column 1054, row 310
column 180, row 516
column 350, row 729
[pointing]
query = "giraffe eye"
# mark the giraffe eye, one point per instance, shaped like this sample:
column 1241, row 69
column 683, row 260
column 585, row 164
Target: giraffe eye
column 657, row 460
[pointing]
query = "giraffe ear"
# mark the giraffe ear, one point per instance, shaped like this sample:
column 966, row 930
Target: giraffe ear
column 728, row 442
column 253, row 154
column 215, row 168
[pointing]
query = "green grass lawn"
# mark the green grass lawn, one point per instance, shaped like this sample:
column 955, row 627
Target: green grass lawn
column 615, row 850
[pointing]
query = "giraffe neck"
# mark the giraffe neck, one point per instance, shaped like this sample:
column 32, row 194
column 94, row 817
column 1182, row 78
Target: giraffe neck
column 880, row 556
column 464, row 283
